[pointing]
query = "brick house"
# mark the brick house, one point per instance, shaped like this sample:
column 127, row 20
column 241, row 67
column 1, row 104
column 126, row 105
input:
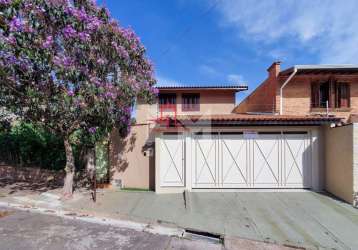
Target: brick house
column 318, row 90
column 196, row 138
column 306, row 90
column 192, row 139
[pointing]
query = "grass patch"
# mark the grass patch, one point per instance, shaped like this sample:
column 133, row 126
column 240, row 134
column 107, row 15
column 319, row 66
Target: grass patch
column 135, row 189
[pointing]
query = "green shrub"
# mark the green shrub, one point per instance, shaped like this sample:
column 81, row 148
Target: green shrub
column 28, row 145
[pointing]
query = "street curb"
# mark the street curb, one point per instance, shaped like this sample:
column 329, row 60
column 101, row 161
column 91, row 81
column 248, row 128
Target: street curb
column 142, row 227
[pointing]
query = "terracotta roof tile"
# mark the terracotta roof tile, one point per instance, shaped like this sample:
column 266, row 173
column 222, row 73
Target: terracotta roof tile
column 257, row 119
column 203, row 86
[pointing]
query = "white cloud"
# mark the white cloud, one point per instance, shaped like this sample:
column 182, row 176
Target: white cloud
column 208, row 70
column 161, row 81
column 235, row 78
column 329, row 27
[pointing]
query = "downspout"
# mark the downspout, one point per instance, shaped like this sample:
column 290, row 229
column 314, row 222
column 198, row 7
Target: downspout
column 283, row 85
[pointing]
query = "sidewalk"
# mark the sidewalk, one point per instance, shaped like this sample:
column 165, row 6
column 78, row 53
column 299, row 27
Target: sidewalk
column 304, row 219
column 80, row 208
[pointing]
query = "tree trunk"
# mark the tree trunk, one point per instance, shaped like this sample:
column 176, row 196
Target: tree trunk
column 70, row 170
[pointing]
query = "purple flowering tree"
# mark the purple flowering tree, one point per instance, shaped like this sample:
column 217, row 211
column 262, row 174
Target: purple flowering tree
column 68, row 66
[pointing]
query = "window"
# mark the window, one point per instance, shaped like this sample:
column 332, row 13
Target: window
column 191, row 102
column 342, row 95
column 167, row 101
column 331, row 93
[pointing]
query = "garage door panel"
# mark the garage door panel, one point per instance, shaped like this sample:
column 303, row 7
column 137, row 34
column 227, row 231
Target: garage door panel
column 266, row 161
column 172, row 160
column 234, row 160
column 205, row 161
column 296, row 161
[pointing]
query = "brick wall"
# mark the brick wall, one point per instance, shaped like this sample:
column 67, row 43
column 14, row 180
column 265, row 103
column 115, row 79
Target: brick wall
column 296, row 95
column 31, row 174
column 262, row 99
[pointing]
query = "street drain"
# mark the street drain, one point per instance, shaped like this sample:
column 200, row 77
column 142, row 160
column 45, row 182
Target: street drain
column 5, row 213
column 199, row 235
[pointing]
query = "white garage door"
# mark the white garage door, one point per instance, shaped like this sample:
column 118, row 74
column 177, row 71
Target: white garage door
column 171, row 160
column 271, row 160
column 297, row 170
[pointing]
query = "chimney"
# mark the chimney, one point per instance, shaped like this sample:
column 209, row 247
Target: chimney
column 274, row 69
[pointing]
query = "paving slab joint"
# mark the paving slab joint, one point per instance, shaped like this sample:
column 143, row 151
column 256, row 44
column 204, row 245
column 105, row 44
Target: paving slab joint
column 187, row 200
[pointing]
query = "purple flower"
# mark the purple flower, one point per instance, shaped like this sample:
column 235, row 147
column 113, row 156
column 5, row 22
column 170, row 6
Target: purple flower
column 48, row 43
column 127, row 110
column 92, row 130
column 5, row 2
column 93, row 23
column 12, row 59
column 70, row 92
column 106, row 10
column 81, row 14
column 84, row 36
column 63, row 61
column 11, row 40
column 67, row 61
column 69, row 32
column 155, row 91
column 15, row 24
column 28, row 6
column 96, row 81
column 122, row 52
column 100, row 61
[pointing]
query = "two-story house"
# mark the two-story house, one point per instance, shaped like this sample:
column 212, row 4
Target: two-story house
column 132, row 159
column 318, row 90
column 192, row 139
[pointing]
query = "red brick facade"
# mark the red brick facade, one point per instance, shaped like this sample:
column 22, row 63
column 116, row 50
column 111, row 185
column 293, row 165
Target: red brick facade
column 263, row 98
column 296, row 94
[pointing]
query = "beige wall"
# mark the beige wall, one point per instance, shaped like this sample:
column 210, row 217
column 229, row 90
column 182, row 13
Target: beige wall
column 132, row 158
column 355, row 165
column 211, row 102
column 339, row 162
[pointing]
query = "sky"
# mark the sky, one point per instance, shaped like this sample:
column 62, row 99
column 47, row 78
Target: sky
column 235, row 41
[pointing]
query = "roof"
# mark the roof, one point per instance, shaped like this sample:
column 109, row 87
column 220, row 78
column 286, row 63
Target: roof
column 248, row 119
column 323, row 68
column 237, row 87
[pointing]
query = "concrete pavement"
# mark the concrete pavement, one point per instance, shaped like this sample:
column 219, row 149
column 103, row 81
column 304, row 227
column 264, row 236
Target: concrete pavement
column 24, row 230
column 303, row 219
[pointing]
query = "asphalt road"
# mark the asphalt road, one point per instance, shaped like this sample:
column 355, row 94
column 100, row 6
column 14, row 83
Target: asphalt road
column 26, row 230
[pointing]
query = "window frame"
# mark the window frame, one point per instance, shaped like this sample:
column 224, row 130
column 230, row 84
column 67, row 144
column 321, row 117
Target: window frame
column 334, row 91
column 167, row 106
column 194, row 106
column 342, row 102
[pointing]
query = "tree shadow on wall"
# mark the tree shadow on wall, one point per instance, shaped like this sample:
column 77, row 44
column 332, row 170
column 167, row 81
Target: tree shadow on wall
column 130, row 152
column 119, row 147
